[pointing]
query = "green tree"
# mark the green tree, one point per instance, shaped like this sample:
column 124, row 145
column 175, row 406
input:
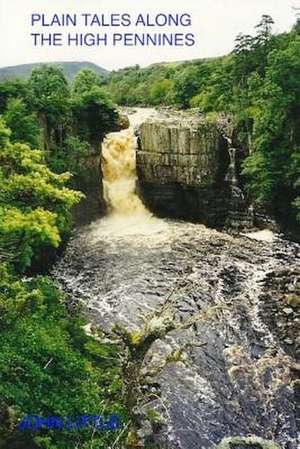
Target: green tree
column 49, row 96
column 161, row 91
column 11, row 89
column 94, row 114
column 217, row 94
column 186, row 85
column 49, row 367
column 35, row 205
column 273, row 170
column 70, row 157
column 85, row 80
column 24, row 125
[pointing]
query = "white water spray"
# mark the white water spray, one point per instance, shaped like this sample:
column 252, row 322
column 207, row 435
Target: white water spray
column 119, row 174
column 127, row 214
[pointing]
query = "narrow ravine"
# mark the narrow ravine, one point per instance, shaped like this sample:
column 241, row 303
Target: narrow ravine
column 236, row 374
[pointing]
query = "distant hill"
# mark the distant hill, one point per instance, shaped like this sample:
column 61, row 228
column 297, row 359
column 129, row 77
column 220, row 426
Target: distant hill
column 70, row 69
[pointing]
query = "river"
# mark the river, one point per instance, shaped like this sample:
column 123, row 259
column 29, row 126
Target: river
column 237, row 369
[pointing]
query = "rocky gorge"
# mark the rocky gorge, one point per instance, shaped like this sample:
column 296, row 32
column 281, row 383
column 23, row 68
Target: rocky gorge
column 210, row 317
column 186, row 168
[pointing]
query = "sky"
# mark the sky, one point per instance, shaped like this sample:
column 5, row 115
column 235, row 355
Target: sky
column 215, row 24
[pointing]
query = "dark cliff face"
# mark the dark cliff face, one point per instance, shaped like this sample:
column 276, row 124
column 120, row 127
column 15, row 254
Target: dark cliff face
column 181, row 165
column 90, row 183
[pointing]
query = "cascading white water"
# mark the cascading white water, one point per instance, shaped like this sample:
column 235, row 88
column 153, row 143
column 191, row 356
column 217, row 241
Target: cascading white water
column 119, row 174
column 127, row 215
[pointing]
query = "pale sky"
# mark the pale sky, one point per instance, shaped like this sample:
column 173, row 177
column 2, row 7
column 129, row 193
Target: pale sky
column 215, row 24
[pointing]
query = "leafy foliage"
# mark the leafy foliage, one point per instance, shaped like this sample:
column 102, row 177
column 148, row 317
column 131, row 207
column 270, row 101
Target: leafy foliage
column 165, row 84
column 93, row 111
column 49, row 93
column 11, row 89
column 45, row 112
column 85, row 80
column 49, row 367
column 23, row 124
column 70, row 157
column 274, row 168
column 35, row 205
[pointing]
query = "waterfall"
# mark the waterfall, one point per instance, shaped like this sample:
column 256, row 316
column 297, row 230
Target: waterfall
column 119, row 175
column 127, row 215
column 231, row 175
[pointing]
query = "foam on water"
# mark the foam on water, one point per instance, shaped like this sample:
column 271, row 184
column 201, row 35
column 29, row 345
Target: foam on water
column 236, row 376
column 263, row 236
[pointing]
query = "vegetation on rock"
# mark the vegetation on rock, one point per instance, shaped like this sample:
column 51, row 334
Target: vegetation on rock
column 258, row 84
column 48, row 365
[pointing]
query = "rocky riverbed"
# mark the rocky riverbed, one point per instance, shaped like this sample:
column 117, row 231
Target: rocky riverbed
column 237, row 375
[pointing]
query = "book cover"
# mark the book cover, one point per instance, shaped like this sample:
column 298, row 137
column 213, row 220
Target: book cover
column 149, row 224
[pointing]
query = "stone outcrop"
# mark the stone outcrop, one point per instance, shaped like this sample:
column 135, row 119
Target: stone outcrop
column 90, row 183
column 182, row 162
column 123, row 121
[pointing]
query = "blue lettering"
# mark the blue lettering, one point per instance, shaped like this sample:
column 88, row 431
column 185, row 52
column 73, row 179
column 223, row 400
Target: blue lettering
column 35, row 18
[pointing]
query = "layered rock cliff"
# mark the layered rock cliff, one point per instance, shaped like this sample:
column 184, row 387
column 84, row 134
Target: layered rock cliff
column 182, row 162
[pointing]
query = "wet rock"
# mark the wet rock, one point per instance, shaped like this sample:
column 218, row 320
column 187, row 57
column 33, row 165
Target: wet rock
column 238, row 375
column 247, row 443
column 123, row 121
column 90, row 183
column 288, row 311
